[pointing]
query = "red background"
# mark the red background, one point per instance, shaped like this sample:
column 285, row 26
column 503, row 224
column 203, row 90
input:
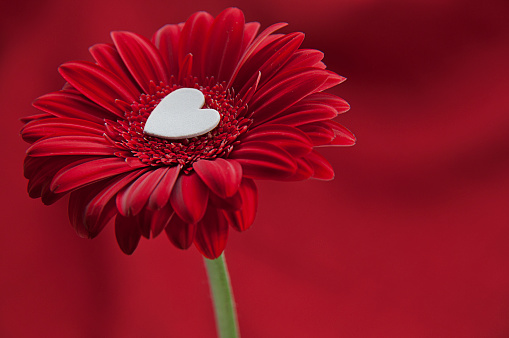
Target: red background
column 409, row 240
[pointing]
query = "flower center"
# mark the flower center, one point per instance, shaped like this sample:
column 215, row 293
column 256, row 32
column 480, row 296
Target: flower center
column 219, row 142
column 179, row 115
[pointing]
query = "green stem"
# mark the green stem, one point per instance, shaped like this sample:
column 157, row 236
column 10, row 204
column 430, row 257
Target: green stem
column 222, row 297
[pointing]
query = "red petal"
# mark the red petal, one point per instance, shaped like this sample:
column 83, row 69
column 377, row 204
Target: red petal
column 36, row 184
column 102, row 207
column 71, row 145
column 70, row 104
column 321, row 167
column 192, row 39
column 128, row 233
column 132, row 199
column 159, row 219
column 230, row 203
column 221, row 176
column 249, row 89
column 107, row 56
column 321, row 65
column 335, row 102
column 268, row 40
column 141, row 58
column 93, row 206
column 39, row 187
column 250, row 31
column 35, row 165
column 251, row 49
column 189, row 198
column 86, row 172
column 161, row 193
column 180, row 233
column 35, row 130
column 304, row 171
column 154, row 221
column 31, row 118
column 212, row 233
column 48, row 197
column 304, row 58
column 134, row 162
column 283, row 91
column 290, row 139
column 98, row 84
column 41, row 170
column 343, row 136
column 305, row 113
column 333, row 80
column 264, row 160
column 224, row 44
column 166, row 40
column 270, row 58
column 319, row 132
column 186, row 68
column 77, row 203
column 242, row 219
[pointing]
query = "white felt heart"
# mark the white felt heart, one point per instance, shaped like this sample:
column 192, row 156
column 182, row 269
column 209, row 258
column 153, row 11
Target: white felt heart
column 179, row 115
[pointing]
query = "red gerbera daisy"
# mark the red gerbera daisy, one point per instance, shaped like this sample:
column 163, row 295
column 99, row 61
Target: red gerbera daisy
column 89, row 139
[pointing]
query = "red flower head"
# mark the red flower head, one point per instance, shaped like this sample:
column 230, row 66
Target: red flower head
column 89, row 139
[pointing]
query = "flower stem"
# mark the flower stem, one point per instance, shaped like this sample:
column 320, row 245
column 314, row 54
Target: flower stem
column 222, row 297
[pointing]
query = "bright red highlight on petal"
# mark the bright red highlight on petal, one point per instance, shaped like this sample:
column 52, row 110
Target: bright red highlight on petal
column 89, row 139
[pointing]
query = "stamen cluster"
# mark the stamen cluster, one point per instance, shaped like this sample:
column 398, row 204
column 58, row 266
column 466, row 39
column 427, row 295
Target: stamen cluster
column 128, row 133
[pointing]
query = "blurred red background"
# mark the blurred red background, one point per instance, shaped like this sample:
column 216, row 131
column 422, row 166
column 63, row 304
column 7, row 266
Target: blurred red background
column 409, row 240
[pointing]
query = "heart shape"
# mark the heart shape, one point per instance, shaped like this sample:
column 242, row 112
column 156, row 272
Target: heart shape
column 179, row 115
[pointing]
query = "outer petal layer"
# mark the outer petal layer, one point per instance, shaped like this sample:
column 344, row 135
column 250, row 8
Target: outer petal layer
column 290, row 139
column 224, row 43
column 193, row 38
column 166, row 39
column 128, row 233
column 85, row 172
column 88, row 139
column 100, row 85
column 189, row 198
column 242, row 219
column 212, row 233
column 141, row 58
column 264, row 160
column 130, row 201
column 221, row 176
column 180, row 233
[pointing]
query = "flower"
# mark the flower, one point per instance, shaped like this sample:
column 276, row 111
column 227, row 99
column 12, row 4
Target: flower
column 88, row 139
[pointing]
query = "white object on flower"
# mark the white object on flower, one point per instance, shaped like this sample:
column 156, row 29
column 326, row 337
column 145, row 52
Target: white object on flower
column 179, row 115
